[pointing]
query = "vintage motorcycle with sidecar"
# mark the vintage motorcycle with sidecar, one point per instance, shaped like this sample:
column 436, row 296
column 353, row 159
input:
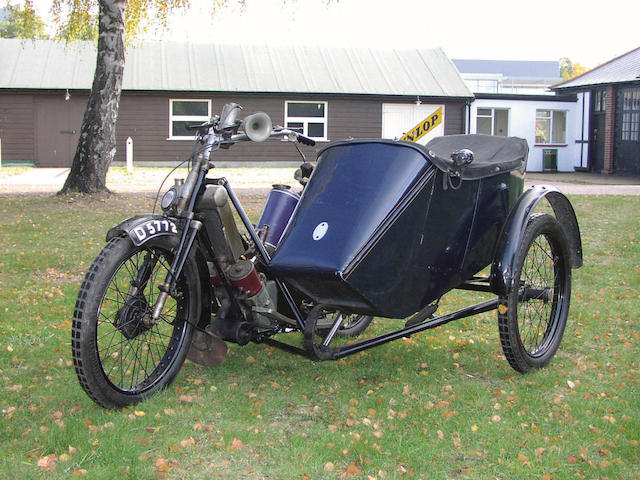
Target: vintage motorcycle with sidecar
column 382, row 228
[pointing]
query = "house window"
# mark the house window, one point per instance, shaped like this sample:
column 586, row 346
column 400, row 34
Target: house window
column 493, row 121
column 551, row 127
column 599, row 101
column 307, row 118
column 183, row 113
column 631, row 114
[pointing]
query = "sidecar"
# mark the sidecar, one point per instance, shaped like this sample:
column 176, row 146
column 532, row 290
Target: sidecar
column 385, row 227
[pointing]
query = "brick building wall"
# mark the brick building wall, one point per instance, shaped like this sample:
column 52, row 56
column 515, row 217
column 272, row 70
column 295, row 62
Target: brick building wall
column 609, row 129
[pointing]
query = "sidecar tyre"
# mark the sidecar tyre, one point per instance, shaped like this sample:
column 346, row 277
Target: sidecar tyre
column 353, row 325
column 119, row 358
column 533, row 316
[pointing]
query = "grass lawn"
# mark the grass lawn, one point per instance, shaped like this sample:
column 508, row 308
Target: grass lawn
column 443, row 404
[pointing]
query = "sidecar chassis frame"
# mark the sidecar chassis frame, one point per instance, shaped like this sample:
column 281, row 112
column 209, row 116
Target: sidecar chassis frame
column 321, row 352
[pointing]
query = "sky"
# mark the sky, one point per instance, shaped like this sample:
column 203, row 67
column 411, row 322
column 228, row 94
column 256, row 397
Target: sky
column 588, row 32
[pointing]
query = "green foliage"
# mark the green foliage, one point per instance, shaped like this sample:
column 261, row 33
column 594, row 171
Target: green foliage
column 569, row 70
column 442, row 404
column 22, row 23
column 81, row 26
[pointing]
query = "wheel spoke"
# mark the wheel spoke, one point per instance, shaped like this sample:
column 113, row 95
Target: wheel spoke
column 538, row 273
column 135, row 355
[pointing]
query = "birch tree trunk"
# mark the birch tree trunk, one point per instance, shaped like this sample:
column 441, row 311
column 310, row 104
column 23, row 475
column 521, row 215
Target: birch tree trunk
column 97, row 144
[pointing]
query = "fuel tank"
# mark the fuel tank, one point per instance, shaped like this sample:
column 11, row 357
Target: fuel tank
column 380, row 230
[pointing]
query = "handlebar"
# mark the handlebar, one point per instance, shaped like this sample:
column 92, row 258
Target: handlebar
column 306, row 140
column 283, row 132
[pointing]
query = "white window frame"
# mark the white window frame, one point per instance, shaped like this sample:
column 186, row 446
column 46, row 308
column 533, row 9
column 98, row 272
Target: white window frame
column 307, row 120
column 492, row 117
column 551, row 120
column 187, row 118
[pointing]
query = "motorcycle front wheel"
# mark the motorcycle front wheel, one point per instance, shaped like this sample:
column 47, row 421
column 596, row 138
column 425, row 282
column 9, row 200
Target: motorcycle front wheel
column 120, row 355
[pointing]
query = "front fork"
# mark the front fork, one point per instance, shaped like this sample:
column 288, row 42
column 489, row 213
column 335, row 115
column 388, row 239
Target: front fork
column 182, row 252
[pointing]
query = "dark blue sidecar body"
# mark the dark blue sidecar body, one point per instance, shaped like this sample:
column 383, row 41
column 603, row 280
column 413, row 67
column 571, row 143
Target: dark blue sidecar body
column 387, row 227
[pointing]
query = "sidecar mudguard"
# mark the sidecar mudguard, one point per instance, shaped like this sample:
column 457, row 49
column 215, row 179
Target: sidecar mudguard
column 502, row 268
column 142, row 228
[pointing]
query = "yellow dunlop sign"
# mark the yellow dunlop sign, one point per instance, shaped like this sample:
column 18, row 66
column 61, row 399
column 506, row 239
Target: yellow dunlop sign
column 424, row 127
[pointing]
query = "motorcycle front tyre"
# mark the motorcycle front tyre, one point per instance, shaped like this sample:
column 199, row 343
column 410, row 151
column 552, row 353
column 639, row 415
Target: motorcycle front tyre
column 120, row 356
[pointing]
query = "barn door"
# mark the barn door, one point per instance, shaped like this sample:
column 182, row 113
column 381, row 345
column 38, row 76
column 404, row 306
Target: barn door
column 57, row 129
column 420, row 123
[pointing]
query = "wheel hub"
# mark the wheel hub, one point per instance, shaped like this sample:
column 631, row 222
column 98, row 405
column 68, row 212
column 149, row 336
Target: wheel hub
column 130, row 319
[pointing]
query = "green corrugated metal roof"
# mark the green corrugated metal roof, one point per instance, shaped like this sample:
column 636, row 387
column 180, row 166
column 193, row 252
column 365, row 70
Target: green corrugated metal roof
column 182, row 66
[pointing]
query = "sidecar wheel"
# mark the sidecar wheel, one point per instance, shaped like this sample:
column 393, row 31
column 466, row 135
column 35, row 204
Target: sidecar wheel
column 119, row 355
column 352, row 325
column 533, row 316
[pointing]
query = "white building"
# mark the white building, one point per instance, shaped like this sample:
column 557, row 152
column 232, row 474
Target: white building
column 512, row 99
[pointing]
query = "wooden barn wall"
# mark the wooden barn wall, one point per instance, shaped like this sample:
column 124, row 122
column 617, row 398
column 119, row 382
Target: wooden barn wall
column 28, row 133
column 17, row 126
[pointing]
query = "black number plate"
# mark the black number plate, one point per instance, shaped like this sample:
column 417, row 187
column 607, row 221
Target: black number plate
column 150, row 229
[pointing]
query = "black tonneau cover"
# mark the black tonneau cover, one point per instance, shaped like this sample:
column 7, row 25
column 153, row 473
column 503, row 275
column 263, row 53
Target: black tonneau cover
column 492, row 155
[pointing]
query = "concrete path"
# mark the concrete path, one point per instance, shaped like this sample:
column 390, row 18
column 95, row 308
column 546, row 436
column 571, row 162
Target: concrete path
column 50, row 180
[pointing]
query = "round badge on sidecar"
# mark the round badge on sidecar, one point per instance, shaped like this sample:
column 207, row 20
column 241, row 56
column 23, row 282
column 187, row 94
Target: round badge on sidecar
column 320, row 231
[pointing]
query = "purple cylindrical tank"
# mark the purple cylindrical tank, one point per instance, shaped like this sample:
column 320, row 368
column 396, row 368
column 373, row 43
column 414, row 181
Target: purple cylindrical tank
column 277, row 211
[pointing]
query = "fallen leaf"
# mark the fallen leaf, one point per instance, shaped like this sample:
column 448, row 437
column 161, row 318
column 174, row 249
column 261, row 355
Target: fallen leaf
column 187, row 442
column 237, row 444
column 440, row 434
column 47, row 463
column 328, row 467
column 523, row 459
column 573, row 459
column 352, row 470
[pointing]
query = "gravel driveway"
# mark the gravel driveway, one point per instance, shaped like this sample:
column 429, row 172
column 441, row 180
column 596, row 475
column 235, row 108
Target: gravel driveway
column 50, row 180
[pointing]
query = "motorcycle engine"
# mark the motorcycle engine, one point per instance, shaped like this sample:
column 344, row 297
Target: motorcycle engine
column 258, row 292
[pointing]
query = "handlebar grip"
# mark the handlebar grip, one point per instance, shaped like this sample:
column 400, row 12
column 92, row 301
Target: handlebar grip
column 306, row 140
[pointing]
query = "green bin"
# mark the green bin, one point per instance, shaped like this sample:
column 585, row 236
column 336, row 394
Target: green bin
column 550, row 160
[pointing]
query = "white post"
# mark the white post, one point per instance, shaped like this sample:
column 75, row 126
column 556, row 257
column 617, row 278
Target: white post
column 129, row 155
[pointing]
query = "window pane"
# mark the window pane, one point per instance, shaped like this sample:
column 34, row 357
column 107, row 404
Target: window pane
column 559, row 127
column 542, row 130
column 305, row 109
column 543, row 113
column 197, row 109
column 501, row 122
column 316, row 130
column 296, row 126
column 484, row 112
column 484, row 125
column 179, row 129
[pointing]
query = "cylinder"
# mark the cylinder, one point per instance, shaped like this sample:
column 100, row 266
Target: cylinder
column 243, row 274
column 277, row 211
